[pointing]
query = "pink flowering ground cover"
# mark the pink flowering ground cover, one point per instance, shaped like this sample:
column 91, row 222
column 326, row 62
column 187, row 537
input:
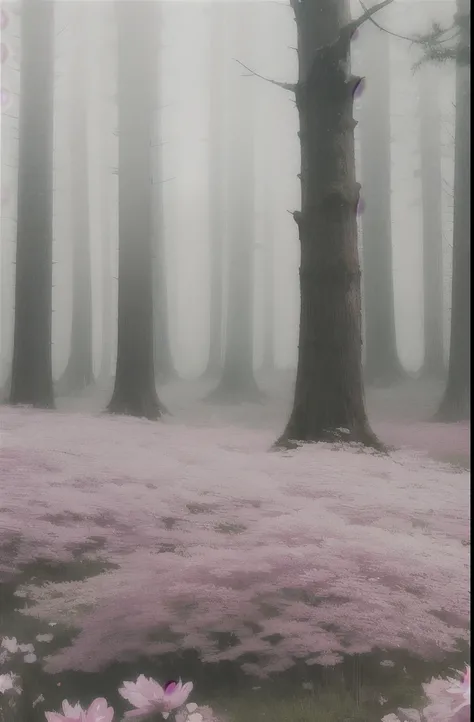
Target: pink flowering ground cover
column 334, row 551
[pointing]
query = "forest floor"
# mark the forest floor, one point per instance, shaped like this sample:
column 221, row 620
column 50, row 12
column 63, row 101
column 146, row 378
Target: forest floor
column 196, row 537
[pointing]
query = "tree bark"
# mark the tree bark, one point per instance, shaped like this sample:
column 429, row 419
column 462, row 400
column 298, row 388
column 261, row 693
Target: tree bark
column 79, row 373
column 455, row 405
column 135, row 391
column 217, row 195
column 32, row 381
column 238, row 383
column 382, row 365
column 164, row 365
column 431, row 194
column 329, row 399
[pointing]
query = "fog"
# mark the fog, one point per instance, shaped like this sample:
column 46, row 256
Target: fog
column 183, row 178
column 235, row 361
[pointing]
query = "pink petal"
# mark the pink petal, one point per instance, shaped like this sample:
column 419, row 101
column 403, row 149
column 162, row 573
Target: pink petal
column 99, row 711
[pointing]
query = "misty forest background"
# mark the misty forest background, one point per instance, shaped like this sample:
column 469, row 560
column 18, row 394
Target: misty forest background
column 151, row 187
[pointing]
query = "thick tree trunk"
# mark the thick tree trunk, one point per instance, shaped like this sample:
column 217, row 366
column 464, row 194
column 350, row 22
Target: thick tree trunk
column 32, row 381
column 329, row 398
column 382, row 365
column 431, row 194
column 135, row 391
column 217, row 196
column 455, row 405
column 79, row 374
column 238, row 383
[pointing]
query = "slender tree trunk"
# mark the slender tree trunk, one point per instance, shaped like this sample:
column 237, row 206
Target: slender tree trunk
column 238, row 383
column 431, row 194
column 32, row 381
column 382, row 365
column 329, row 399
column 135, row 391
column 164, row 365
column 455, row 405
column 103, row 123
column 79, row 374
column 268, row 360
column 217, row 195
column 107, row 308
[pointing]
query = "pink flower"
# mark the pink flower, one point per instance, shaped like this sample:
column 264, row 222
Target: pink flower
column 98, row 711
column 149, row 697
column 462, row 688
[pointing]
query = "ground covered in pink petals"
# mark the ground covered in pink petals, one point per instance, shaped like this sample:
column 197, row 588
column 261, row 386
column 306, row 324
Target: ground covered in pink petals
column 310, row 554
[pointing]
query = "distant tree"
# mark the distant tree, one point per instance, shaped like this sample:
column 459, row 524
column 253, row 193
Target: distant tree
column 135, row 391
column 455, row 405
column 329, row 398
column 164, row 365
column 237, row 381
column 268, row 360
column 382, row 364
column 217, row 194
column 32, row 381
column 431, row 194
column 79, row 374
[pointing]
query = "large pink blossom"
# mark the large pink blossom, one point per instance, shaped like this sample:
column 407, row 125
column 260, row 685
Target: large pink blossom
column 148, row 697
column 98, row 711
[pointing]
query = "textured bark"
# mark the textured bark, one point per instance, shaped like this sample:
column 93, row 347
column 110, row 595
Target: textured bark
column 329, row 398
column 135, row 391
column 164, row 365
column 455, row 405
column 238, row 383
column 32, row 381
column 217, row 194
column 79, row 374
column 431, row 195
column 382, row 365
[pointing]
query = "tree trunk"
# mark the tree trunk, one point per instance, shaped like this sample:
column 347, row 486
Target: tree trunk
column 431, row 195
column 164, row 365
column 135, row 391
column 382, row 365
column 238, row 383
column 455, row 405
column 329, row 399
column 217, row 195
column 268, row 360
column 104, row 122
column 32, row 381
column 79, row 373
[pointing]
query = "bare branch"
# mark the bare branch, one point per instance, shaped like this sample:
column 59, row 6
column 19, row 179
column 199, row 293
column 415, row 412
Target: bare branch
column 286, row 86
column 367, row 15
column 389, row 32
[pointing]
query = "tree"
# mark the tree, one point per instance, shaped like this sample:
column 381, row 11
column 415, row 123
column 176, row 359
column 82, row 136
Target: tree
column 268, row 360
column 217, row 196
column 431, row 194
column 135, row 392
column 455, row 405
column 237, row 381
column 32, row 381
column 382, row 365
column 329, row 397
column 164, row 366
column 79, row 373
